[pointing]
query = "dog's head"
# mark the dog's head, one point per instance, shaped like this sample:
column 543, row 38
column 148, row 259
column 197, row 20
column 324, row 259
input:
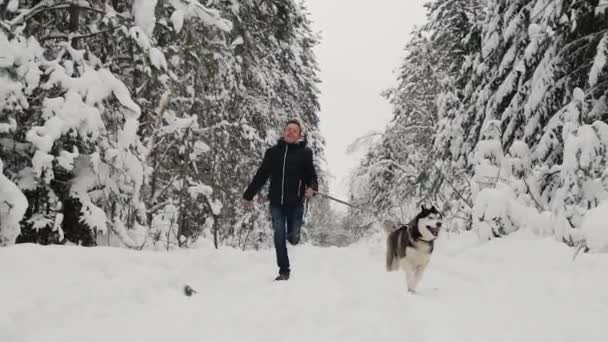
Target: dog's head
column 429, row 221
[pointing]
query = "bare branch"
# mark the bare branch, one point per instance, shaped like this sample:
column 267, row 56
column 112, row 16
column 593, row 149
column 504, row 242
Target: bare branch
column 70, row 36
column 45, row 6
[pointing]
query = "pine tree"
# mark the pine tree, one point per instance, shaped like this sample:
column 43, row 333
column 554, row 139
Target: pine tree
column 522, row 67
column 180, row 100
column 401, row 169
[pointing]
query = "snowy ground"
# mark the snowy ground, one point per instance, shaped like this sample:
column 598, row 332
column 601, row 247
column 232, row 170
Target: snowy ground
column 521, row 288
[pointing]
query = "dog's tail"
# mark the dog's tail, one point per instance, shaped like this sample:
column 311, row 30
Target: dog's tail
column 389, row 226
column 391, row 261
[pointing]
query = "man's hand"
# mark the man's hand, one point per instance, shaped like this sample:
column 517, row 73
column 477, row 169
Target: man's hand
column 309, row 192
column 247, row 204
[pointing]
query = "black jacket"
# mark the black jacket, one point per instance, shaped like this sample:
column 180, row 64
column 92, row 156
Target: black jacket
column 290, row 168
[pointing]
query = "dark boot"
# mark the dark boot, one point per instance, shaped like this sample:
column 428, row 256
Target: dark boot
column 282, row 276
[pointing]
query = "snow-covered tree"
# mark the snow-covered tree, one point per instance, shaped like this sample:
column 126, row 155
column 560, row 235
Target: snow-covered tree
column 402, row 169
column 115, row 113
column 532, row 70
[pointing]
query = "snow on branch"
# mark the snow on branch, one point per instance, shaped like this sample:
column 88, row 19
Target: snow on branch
column 192, row 8
column 13, row 205
column 363, row 142
column 601, row 58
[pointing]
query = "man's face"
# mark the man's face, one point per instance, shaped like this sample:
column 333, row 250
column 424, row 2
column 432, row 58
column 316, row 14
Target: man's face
column 291, row 133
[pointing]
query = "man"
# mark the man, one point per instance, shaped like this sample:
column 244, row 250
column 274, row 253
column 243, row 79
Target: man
column 289, row 165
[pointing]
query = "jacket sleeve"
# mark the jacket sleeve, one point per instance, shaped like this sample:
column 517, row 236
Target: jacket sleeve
column 260, row 178
column 311, row 174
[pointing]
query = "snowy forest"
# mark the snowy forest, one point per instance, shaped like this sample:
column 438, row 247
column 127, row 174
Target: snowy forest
column 139, row 123
column 499, row 119
column 251, row 170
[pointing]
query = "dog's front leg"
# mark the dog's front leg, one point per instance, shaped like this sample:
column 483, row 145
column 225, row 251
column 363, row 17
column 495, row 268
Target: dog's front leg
column 410, row 277
column 418, row 274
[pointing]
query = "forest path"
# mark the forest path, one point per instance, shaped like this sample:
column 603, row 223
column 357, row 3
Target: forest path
column 520, row 288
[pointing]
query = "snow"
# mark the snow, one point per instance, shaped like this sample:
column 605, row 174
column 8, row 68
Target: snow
column 26, row 180
column 13, row 6
column 140, row 38
column 128, row 135
column 164, row 222
column 237, row 41
column 498, row 211
column 66, row 159
column 487, row 158
column 599, row 62
column 13, row 205
column 69, row 113
column 519, row 159
column 22, row 55
column 143, row 13
column 95, row 86
column 601, row 7
column 521, row 288
column 490, row 45
column 546, row 10
column 491, row 212
column 43, row 162
column 508, row 58
column 215, row 205
column 39, row 221
column 512, row 28
column 535, row 32
column 585, row 155
column 599, row 108
column 177, row 19
column 132, row 237
column 93, row 216
column 157, row 58
column 9, row 127
column 211, row 17
column 542, row 79
column 595, row 229
column 198, row 149
column 200, row 189
column 507, row 87
column 178, row 126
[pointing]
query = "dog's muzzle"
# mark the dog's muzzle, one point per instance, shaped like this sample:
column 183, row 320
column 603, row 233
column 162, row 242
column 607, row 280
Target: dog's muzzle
column 435, row 230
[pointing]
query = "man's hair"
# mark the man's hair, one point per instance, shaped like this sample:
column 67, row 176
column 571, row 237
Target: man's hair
column 295, row 122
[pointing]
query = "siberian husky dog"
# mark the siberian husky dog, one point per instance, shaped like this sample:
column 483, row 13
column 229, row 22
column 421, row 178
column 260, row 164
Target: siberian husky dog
column 409, row 247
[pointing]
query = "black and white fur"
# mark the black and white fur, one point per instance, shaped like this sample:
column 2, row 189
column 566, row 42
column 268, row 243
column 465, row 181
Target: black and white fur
column 409, row 247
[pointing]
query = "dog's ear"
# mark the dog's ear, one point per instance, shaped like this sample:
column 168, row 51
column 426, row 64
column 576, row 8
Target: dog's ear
column 422, row 207
column 389, row 226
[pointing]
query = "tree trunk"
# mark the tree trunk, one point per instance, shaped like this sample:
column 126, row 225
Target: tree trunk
column 74, row 20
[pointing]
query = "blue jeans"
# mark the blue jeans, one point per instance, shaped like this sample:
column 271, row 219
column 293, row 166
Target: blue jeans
column 286, row 223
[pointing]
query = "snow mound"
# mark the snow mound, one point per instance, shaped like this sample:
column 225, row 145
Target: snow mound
column 595, row 228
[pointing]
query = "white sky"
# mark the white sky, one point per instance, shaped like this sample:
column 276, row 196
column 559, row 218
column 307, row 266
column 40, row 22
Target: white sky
column 362, row 44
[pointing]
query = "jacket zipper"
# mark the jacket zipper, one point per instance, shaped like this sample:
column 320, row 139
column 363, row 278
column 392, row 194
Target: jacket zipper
column 299, row 187
column 283, row 181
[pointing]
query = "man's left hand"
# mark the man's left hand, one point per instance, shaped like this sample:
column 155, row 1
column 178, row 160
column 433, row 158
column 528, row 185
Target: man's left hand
column 309, row 192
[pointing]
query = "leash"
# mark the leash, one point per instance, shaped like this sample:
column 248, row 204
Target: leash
column 378, row 219
column 345, row 203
